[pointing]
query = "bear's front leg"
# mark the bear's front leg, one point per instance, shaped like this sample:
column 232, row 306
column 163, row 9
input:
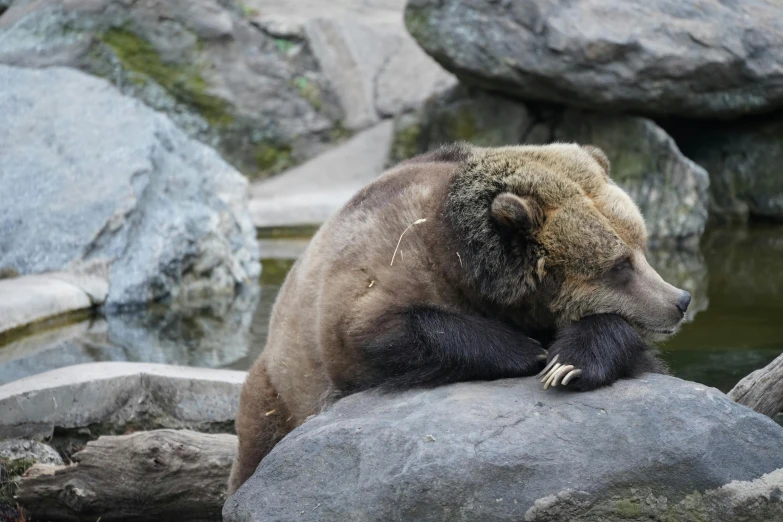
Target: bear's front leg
column 596, row 351
column 427, row 346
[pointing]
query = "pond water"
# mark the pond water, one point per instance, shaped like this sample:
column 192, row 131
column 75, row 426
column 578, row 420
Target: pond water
column 736, row 317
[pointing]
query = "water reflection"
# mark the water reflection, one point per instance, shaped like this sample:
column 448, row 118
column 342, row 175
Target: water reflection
column 742, row 328
column 207, row 334
column 735, row 319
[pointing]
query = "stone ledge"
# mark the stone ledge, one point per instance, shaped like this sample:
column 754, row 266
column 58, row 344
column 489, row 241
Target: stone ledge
column 33, row 298
column 310, row 193
column 111, row 397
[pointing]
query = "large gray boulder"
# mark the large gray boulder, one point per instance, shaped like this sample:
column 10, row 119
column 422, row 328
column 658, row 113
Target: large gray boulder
column 670, row 189
column 268, row 83
column 703, row 58
column 656, row 448
column 92, row 177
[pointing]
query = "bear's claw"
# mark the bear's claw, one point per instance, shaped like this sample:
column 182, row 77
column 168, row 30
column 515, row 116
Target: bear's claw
column 548, row 366
column 556, row 373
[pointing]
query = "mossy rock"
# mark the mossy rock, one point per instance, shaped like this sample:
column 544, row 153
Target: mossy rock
column 272, row 158
column 184, row 81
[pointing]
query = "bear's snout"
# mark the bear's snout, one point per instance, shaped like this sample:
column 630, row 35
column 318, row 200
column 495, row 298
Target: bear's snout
column 685, row 300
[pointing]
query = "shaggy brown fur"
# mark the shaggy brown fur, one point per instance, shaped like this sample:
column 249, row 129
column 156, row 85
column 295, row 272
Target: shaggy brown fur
column 518, row 242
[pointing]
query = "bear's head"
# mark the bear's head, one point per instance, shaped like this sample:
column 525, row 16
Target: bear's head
column 547, row 223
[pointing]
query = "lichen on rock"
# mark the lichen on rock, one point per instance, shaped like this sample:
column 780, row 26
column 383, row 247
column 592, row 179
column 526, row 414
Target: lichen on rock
column 184, row 82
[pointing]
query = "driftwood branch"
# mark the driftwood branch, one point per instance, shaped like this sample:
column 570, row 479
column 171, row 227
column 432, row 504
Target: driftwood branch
column 762, row 390
column 154, row 475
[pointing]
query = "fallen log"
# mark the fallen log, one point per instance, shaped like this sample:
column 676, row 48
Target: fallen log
column 762, row 390
column 161, row 475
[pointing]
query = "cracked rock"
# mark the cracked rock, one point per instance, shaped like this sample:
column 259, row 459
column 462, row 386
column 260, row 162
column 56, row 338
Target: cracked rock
column 506, row 450
column 373, row 65
column 30, row 450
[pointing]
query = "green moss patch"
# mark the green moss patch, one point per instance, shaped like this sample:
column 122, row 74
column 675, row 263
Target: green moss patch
column 184, row 82
column 271, row 159
column 8, row 273
column 299, row 232
column 460, row 125
column 247, row 11
column 273, row 271
column 417, row 21
column 406, row 142
column 284, row 45
column 309, row 91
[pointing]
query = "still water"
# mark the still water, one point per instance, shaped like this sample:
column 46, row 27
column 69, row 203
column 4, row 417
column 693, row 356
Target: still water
column 735, row 327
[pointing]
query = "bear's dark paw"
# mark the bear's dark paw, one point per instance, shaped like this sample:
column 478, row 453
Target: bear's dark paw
column 593, row 352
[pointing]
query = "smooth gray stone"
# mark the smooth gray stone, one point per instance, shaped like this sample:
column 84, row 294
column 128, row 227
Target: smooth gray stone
column 697, row 58
column 507, row 450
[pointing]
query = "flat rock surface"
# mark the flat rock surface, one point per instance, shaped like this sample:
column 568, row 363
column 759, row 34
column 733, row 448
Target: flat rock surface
column 33, row 298
column 113, row 396
column 702, row 58
column 126, row 193
column 507, row 450
column 310, row 193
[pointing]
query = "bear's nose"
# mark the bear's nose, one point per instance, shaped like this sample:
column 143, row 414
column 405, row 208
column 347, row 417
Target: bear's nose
column 685, row 300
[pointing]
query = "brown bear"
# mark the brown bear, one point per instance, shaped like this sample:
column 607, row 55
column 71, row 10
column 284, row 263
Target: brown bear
column 463, row 263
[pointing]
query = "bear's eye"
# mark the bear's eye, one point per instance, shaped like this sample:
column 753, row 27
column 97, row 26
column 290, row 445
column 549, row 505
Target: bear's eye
column 622, row 265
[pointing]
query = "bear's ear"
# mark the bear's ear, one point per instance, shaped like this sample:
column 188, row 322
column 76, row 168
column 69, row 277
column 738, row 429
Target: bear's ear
column 520, row 213
column 599, row 156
